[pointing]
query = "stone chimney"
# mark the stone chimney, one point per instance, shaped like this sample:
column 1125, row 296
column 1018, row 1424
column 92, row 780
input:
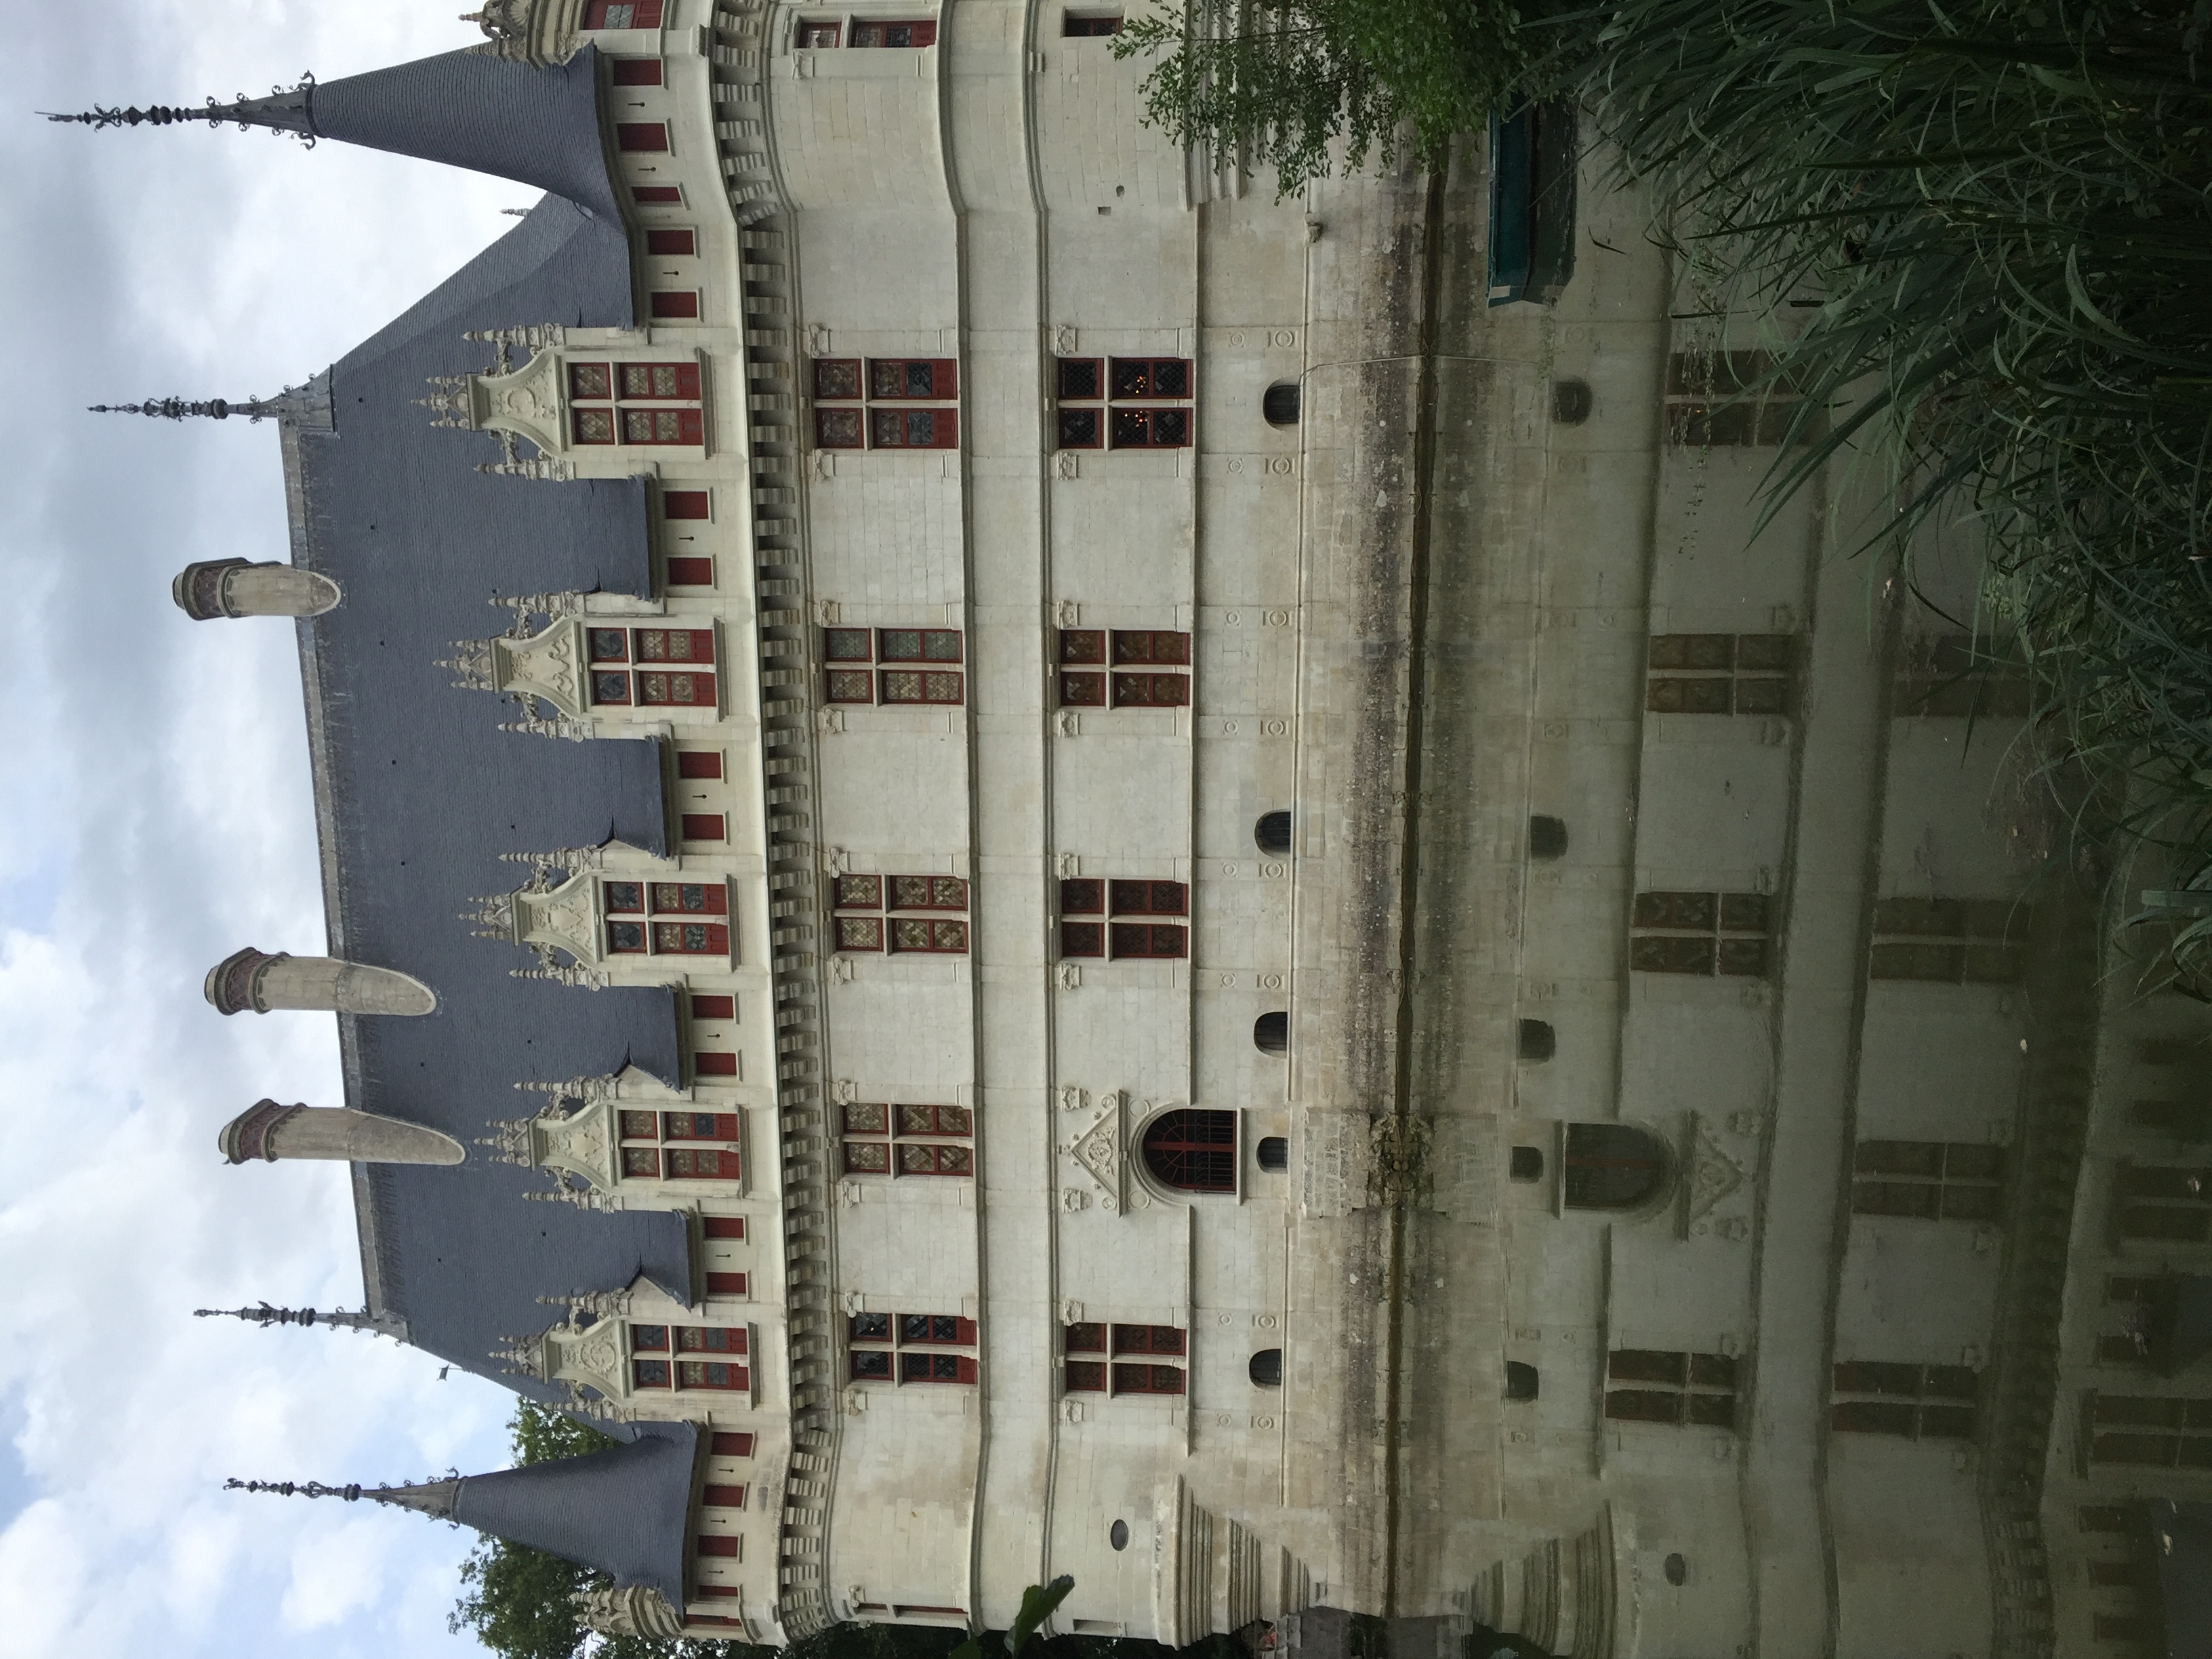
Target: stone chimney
column 260, row 981
column 232, row 587
column 268, row 1131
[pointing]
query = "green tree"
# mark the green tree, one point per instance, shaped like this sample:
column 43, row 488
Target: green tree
column 1279, row 82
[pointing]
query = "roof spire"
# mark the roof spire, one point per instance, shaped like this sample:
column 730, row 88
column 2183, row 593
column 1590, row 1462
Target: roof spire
column 286, row 109
column 265, row 1315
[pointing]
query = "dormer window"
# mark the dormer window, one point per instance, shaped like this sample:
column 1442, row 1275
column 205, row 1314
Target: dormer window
column 690, row 1356
column 674, row 924
column 653, row 667
column 681, row 1145
column 621, row 13
column 865, row 387
column 635, row 403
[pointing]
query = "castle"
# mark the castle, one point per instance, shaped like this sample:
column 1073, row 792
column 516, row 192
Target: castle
column 1036, row 866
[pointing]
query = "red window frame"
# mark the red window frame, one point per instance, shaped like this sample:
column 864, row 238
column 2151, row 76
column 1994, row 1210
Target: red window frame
column 725, row 1445
column 642, row 137
column 1152, row 648
column 657, row 195
column 811, row 36
column 1144, row 1378
column 920, row 380
column 1193, row 1150
column 841, row 427
column 1133, row 940
column 902, row 1347
column 704, row 1007
column 642, row 13
column 1149, row 898
column 1159, row 1341
column 918, row 645
column 901, row 32
column 686, row 504
column 700, row 1164
column 676, row 382
column 840, row 378
column 674, row 304
column 704, row 826
column 895, row 428
column 691, row 571
column 698, row 763
column 903, row 1139
column 721, row 1284
column 1148, row 426
column 719, row 1543
column 673, row 243
column 699, row 1125
column 1142, row 379
column 651, row 428
column 714, row 1062
column 1149, row 690
column 724, row 1498
column 636, row 72
column 1079, row 380
column 723, row 1227
column 606, row 399
column 937, row 687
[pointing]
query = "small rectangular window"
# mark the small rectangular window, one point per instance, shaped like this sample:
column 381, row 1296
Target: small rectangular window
column 837, row 377
column 897, row 685
column 917, row 645
column 1695, row 1390
column 699, row 764
column 1949, row 941
column 663, row 426
column 722, row 1283
column 914, row 377
column 922, row 31
column 731, row 1445
column 1150, row 378
column 671, row 305
column 1721, row 674
column 657, row 195
column 685, row 504
column 811, row 36
column 1081, row 379
column 1159, row 647
column 1149, row 428
column 690, row 573
column 913, row 428
column 1078, row 24
column 1727, row 398
column 646, row 138
column 1146, row 1379
column 621, row 13
column 1928, row 1180
column 710, row 1063
column 637, row 71
column 725, row 1498
column 699, row 1125
column 675, row 244
column 703, row 826
column 908, row 1347
column 2167, row 1204
column 700, row 1164
column 1151, row 690
column 724, row 1226
column 1700, row 933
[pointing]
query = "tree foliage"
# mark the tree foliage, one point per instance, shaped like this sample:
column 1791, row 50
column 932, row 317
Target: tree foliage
column 1290, row 83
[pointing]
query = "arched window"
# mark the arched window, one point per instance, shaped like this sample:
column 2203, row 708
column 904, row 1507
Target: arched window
column 1547, row 836
column 1528, row 1165
column 1271, row 1034
column 1274, row 1154
column 1519, row 1380
column 1614, row 1166
column 1571, row 402
column 1538, row 1041
column 1266, row 1369
column 1272, row 833
column 1279, row 403
column 1193, row 1151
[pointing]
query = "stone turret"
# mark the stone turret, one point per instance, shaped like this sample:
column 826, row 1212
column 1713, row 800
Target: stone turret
column 269, row 1131
column 234, row 588
column 262, row 980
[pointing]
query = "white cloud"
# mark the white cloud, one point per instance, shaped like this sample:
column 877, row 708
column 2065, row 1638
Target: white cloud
column 158, row 816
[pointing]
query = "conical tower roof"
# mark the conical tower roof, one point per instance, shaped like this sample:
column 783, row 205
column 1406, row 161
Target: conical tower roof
column 622, row 1511
column 468, row 109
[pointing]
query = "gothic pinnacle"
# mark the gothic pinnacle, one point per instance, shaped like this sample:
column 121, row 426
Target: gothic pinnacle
column 266, row 1316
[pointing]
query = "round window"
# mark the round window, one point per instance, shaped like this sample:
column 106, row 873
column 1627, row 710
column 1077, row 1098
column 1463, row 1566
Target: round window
column 1118, row 1535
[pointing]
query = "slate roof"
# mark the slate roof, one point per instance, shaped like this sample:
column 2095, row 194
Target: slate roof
column 2181, row 1543
column 418, row 793
column 469, row 110
column 621, row 1510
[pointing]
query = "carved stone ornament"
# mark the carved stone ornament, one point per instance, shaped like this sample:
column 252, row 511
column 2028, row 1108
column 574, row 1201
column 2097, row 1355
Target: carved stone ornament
column 634, row 1610
column 1710, row 1176
column 573, row 1137
column 1398, row 1171
column 550, row 666
column 1098, row 1151
column 539, row 32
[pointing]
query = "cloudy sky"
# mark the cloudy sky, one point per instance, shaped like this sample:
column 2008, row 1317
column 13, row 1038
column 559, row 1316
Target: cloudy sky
column 156, row 816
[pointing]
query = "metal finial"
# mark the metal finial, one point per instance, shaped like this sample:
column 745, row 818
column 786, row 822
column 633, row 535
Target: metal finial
column 246, row 112
column 266, row 1316
column 177, row 409
column 294, row 1489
